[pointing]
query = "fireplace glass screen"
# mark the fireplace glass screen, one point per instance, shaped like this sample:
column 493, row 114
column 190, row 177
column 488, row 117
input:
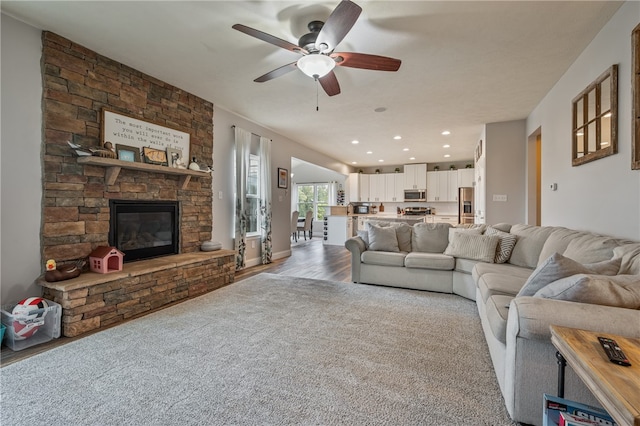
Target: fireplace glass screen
column 144, row 229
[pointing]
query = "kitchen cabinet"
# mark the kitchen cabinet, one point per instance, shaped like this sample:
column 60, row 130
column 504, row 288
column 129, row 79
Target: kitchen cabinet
column 466, row 177
column 415, row 176
column 442, row 186
column 451, row 219
column 358, row 187
column 394, row 187
column 377, row 188
column 337, row 230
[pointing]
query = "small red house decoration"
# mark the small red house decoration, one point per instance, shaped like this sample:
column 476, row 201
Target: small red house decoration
column 106, row 259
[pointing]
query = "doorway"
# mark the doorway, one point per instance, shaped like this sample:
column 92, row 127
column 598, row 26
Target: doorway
column 534, row 178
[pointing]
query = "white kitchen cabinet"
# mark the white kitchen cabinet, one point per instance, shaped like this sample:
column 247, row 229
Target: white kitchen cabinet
column 394, row 187
column 442, row 186
column 337, row 230
column 466, row 177
column 452, row 185
column 377, row 188
column 358, row 187
column 415, row 176
column 451, row 219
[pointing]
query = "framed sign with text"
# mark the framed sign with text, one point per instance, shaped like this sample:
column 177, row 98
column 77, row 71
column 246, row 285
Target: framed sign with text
column 123, row 130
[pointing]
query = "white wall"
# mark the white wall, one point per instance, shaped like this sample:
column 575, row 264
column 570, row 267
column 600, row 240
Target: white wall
column 602, row 196
column 21, row 163
column 282, row 149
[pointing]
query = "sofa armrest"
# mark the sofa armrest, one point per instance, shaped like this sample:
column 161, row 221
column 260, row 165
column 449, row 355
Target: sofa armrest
column 530, row 318
column 356, row 246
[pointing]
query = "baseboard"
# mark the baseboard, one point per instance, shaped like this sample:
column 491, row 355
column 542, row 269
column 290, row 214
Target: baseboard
column 258, row 260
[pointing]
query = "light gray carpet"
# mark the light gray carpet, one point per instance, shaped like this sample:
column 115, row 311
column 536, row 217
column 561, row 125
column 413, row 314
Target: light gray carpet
column 270, row 350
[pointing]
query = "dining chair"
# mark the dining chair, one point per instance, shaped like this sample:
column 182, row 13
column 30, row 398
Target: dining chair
column 294, row 225
column 306, row 227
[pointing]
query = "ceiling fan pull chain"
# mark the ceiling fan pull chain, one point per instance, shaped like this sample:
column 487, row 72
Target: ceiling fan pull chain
column 317, row 84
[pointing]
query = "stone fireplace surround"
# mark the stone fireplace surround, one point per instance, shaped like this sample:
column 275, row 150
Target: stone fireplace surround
column 77, row 84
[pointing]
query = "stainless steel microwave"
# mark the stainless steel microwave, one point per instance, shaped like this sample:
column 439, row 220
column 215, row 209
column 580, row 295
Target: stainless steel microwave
column 361, row 209
column 415, row 195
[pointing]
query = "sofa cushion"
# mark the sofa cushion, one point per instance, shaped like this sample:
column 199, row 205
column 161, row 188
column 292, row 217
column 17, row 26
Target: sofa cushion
column 403, row 232
column 505, row 244
column 621, row 291
column 530, row 241
column 557, row 242
column 429, row 261
column 382, row 238
column 504, row 227
column 497, row 311
column 500, row 268
column 473, row 246
column 383, row 258
column 492, row 284
column 558, row 266
column 629, row 255
column 465, row 265
column 430, row 237
column 364, row 236
column 590, row 248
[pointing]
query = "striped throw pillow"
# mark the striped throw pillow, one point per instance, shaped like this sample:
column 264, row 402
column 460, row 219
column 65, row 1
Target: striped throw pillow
column 505, row 245
column 473, row 246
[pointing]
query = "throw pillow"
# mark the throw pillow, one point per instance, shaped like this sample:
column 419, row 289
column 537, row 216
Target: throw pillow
column 505, row 245
column 364, row 235
column 382, row 238
column 622, row 291
column 403, row 233
column 430, row 237
column 557, row 267
column 455, row 229
column 473, row 246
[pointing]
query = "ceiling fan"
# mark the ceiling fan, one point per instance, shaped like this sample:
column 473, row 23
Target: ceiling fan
column 318, row 58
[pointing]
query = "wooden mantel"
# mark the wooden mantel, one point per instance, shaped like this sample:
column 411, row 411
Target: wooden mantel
column 114, row 166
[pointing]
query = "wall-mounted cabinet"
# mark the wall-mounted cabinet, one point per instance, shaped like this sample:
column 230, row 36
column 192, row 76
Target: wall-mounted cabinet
column 466, row 177
column 415, row 176
column 377, row 188
column 442, row 186
column 394, row 187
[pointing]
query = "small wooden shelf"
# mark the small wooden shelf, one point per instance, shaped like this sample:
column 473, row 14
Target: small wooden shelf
column 114, row 166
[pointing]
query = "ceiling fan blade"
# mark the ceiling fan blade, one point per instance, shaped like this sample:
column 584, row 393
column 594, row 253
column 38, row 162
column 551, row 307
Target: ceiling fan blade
column 365, row 61
column 277, row 72
column 269, row 38
column 343, row 17
column 330, row 84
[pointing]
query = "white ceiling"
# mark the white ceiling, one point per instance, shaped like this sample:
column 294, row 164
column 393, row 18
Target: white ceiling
column 463, row 64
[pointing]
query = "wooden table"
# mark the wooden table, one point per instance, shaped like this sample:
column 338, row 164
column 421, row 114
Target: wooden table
column 615, row 386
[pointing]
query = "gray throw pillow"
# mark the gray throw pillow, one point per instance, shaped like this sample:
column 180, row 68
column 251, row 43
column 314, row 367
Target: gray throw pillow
column 382, row 238
column 558, row 266
column 505, row 245
column 364, row 235
column 473, row 246
column 430, row 237
column 622, row 291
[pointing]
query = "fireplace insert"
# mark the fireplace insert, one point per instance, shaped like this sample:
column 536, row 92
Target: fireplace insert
column 144, row 229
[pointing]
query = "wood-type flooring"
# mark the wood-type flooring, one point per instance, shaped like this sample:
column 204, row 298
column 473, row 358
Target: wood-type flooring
column 309, row 259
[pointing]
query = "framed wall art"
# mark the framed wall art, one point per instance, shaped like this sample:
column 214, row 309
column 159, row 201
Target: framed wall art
column 283, row 178
column 174, row 157
column 154, row 156
column 128, row 153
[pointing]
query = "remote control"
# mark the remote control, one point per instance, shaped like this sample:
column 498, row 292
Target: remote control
column 613, row 351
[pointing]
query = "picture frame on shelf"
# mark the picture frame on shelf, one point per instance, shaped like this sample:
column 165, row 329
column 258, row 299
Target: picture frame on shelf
column 154, row 156
column 283, row 178
column 174, row 157
column 128, row 153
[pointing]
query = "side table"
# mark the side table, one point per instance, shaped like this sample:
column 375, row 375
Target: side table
column 615, row 386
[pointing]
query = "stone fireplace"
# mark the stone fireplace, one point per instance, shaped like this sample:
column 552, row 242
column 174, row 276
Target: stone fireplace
column 78, row 195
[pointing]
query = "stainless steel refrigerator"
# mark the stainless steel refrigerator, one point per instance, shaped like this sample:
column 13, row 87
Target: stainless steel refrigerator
column 465, row 205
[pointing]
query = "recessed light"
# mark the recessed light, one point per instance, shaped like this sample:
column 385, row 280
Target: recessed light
column 447, row 156
column 446, row 133
column 446, row 146
column 380, row 161
column 355, row 142
column 369, row 152
column 354, row 162
column 412, row 158
column 405, row 149
column 397, row 137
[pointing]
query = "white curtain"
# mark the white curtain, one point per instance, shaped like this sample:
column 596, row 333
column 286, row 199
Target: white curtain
column 333, row 193
column 265, row 198
column 242, row 149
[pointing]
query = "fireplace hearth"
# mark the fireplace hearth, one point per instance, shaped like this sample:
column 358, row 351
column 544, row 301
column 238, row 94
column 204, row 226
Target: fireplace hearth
column 144, row 229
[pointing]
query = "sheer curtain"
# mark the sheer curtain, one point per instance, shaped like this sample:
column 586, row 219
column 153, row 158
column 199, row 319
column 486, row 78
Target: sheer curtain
column 265, row 198
column 242, row 148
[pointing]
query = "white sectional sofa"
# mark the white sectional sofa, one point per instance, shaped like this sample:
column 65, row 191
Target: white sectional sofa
column 546, row 275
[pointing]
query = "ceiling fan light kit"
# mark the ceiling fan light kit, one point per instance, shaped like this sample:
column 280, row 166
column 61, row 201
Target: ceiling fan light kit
column 318, row 60
column 316, row 65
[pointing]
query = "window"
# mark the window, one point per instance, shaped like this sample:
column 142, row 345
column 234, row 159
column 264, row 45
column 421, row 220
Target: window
column 253, row 196
column 313, row 197
column 595, row 119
